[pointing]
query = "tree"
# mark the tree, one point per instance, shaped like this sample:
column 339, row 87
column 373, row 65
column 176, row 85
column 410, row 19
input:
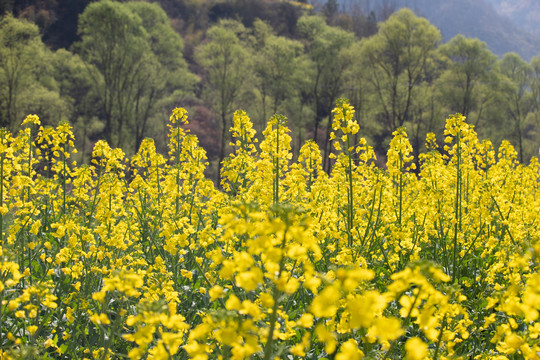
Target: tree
column 75, row 86
column 352, row 18
column 517, row 74
column 26, row 84
column 396, row 62
column 325, row 46
column 136, row 59
column 226, row 64
column 20, row 46
column 280, row 68
column 358, row 93
column 468, row 75
column 330, row 9
column 167, row 77
column 6, row 6
column 115, row 43
column 535, row 87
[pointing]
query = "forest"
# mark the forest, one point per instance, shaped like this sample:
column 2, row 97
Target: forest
column 115, row 70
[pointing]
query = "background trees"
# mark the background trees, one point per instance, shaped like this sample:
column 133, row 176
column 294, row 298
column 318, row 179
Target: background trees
column 166, row 78
column 397, row 61
column 127, row 70
column 278, row 65
column 136, row 62
column 535, row 87
column 325, row 46
column 282, row 77
column 517, row 100
column 115, row 43
column 26, row 84
column 226, row 62
column 76, row 88
column 467, row 76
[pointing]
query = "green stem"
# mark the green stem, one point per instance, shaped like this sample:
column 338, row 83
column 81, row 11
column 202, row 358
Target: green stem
column 405, row 324
column 158, row 183
column 273, row 320
column 439, row 339
column 276, row 167
column 350, row 207
column 400, row 190
column 457, row 222
column 2, row 196
column 64, row 178
column 504, row 227
column 273, row 316
column 311, row 167
column 1, row 219
column 29, row 163
column 177, row 200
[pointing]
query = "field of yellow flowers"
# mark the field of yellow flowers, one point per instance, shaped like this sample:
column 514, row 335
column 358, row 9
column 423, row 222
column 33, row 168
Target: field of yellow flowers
column 144, row 258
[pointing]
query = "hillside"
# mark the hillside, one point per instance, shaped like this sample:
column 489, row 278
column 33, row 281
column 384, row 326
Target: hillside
column 57, row 20
column 506, row 26
column 526, row 13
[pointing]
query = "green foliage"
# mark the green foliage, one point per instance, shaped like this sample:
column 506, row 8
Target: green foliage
column 226, row 62
column 137, row 62
column 516, row 74
column 128, row 70
column 77, row 88
column 397, row 61
column 325, row 46
column 26, row 85
column 468, row 74
column 280, row 67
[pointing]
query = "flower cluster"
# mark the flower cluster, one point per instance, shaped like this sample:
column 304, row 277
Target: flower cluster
column 144, row 258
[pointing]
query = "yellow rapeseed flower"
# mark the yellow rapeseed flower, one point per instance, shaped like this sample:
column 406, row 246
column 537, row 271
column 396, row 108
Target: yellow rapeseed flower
column 416, row 349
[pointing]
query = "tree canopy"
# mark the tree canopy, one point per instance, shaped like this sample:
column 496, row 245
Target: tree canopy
column 133, row 63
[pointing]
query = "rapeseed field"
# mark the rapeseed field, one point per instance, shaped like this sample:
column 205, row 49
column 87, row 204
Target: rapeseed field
column 145, row 258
